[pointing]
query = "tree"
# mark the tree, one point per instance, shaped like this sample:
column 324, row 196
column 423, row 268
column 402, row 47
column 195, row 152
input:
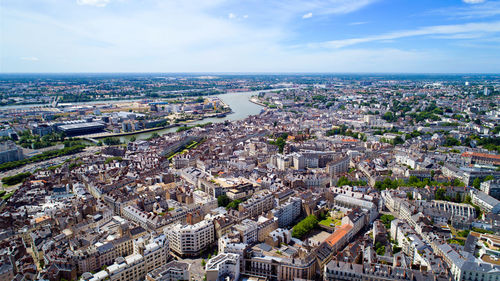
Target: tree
column 280, row 142
column 386, row 220
column 223, row 200
column 440, row 194
column 413, row 179
column 398, row 140
column 476, row 183
column 304, row 226
column 379, row 249
column 343, row 181
column 111, row 141
column 234, row 204
column 389, row 117
column 449, row 142
column 409, row 195
column 488, row 178
column 12, row 180
column 132, row 139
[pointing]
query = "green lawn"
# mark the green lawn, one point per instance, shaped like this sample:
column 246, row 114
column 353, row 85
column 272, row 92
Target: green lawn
column 328, row 221
column 8, row 195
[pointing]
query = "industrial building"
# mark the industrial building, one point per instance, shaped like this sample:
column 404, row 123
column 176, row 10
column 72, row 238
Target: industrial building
column 81, row 128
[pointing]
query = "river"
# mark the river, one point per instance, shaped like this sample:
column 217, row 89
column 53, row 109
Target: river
column 239, row 102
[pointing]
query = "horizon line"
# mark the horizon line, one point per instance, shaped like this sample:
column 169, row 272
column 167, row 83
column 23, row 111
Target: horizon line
column 266, row 73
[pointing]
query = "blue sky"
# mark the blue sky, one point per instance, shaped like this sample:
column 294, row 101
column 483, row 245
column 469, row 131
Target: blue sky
column 438, row 36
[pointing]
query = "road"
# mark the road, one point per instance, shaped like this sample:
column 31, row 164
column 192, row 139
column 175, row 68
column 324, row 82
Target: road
column 47, row 163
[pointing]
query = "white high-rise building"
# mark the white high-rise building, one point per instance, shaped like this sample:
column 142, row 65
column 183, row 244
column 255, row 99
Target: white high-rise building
column 288, row 212
column 190, row 240
column 222, row 266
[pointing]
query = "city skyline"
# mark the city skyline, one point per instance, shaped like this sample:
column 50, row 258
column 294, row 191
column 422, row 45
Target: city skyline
column 336, row 36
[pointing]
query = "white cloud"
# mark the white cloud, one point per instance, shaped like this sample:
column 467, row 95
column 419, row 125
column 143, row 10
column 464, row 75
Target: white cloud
column 233, row 16
column 358, row 23
column 473, row 1
column 488, row 9
column 307, row 16
column 29, row 58
column 490, row 27
column 96, row 3
column 343, row 6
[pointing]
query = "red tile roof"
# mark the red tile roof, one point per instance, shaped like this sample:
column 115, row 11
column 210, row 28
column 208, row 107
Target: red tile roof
column 338, row 234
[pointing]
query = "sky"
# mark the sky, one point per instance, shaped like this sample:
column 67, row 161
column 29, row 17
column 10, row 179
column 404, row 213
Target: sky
column 409, row 36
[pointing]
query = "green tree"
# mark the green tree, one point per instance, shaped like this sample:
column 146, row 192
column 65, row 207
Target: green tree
column 476, row 183
column 413, row 179
column 223, row 200
column 153, row 136
column 389, row 117
column 398, row 140
column 409, row 195
column 386, row 220
column 111, row 141
column 234, row 204
column 304, row 226
column 440, row 194
column 280, row 142
column 449, row 142
column 488, row 178
column 12, row 180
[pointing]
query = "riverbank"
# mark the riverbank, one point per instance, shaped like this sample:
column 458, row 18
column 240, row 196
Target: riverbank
column 257, row 102
column 238, row 102
column 185, row 123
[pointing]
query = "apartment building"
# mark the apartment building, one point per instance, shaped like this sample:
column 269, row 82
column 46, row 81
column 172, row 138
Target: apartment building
column 248, row 230
column 258, row 204
column 281, row 269
column 190, row 240
column 465, row 267
column 147, row 256
column 172, row 271
column 144, row 219
column 265, row 226
column 343, row 271
column 492, row 188
column 288, row 212
column 338, row 166
column 100, row 254
column 223, row 267
column 485, row 202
